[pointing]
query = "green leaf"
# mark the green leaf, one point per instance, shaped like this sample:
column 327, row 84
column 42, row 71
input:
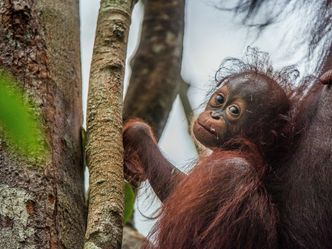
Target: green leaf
column 17, row 121
column 129, row 202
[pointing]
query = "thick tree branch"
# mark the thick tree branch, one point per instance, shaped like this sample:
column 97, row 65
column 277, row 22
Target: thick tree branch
column 104, row 126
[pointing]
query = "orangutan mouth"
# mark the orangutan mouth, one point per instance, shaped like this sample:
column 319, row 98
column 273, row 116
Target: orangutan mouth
column 209, row 129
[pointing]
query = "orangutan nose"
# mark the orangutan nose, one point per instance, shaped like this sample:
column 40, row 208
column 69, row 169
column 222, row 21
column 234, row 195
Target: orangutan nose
column 215, row 115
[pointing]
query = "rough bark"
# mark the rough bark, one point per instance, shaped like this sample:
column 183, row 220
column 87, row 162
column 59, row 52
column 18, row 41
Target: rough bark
column 42, row 201
column 104, row 126
column 156, row 65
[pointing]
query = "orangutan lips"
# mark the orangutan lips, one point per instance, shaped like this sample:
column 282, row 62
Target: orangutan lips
column 209, row 129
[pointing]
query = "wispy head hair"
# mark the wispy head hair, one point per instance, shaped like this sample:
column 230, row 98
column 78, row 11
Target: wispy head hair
column 258, row 62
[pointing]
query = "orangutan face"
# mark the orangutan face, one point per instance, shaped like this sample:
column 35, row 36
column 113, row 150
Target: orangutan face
column 232, row 109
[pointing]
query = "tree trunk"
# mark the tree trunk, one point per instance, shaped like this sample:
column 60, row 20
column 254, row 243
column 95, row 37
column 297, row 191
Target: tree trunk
column 327, row 62
column 156, row 67
column 42, row 201
column 104, row 126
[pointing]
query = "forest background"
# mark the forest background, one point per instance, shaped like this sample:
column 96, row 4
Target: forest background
column 43, row 202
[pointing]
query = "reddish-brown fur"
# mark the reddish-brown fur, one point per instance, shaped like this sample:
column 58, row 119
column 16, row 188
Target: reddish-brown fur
column 247, row 194
column 221, row 204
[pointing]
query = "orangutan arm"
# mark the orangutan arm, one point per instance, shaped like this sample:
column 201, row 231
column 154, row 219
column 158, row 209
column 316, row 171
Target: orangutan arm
column 144, row 160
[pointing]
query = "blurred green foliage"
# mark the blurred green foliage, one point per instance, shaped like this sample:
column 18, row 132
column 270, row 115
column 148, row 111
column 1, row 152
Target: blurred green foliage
column 18, row 123
column 129, row 202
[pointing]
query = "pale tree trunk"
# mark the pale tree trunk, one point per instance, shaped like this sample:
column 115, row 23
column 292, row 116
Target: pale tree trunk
column 327, row 62
column 156, row 66
column 104, row 126
column 42, row 202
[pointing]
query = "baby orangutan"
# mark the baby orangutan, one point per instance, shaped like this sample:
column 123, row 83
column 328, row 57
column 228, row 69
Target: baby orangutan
column 223, row 203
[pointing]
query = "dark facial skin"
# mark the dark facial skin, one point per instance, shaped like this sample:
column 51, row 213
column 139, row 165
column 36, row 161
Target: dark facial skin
column 234, row 106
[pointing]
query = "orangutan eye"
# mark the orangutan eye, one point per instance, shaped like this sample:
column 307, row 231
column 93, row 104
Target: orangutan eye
column 220, row 99
column 234, row 110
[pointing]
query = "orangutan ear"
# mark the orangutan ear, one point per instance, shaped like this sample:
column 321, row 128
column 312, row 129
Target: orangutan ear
column 326, row 77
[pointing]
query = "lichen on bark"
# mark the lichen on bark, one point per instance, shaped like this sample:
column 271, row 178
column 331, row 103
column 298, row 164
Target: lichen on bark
column 16, row 205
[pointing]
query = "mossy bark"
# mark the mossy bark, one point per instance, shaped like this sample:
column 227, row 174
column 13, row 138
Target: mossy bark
column 104, row 126
column 42, row 202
